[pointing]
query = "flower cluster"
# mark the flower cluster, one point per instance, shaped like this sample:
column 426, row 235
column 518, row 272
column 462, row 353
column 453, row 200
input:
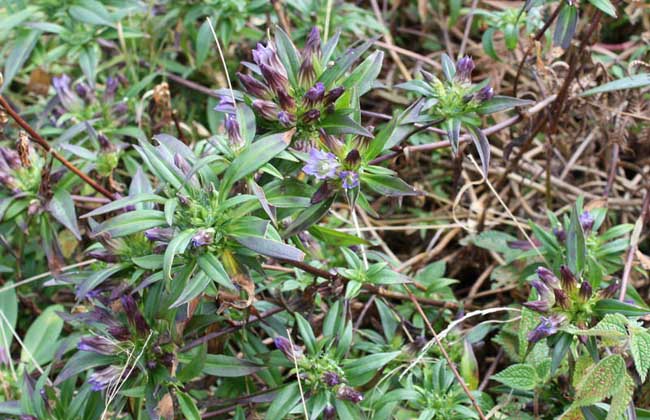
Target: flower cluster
column 564, row 299
column 284, row 103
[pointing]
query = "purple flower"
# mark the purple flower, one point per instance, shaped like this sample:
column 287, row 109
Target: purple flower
column 544, row 292
column 225, row 105
column 277, row 80
column 586, row 221
column 291, row 351
column 286, row 119
column 541, row 306
column 182, row 164
column 321, row 164
column 548, row 277
column 331, row 379
column 232, row 130
column 569, row 281
column 311, row 116
column 119, row 332
column 267, row 109
column 312, row 45
column 485, row 94
column 560, row 234
column 464, row 69
column 333, row 95
column 314, row 95
column 111, row 88
column 10, row 159
column 329, row 412
column 100, row 379
column 585, row 291
column 350, row 179
column 134, row 315
column 286, row 101
column 84, row 91
column 561, row 298
column 4, row 357
column 266, row 56
column 322, row 193
column 104, row 255
column 203, row 237
column 546, row 327
column 159, row 234
column 353, row 157
column 609, row 291
column 97, row 344
column 349, row 394
column 67, row 97
column 253, row 86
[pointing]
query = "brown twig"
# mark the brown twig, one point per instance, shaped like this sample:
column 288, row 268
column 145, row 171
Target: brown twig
column 45, row 145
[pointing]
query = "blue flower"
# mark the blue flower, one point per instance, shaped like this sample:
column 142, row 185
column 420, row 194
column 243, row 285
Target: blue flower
column 586, row 221
column 546, row 327
column 350, row 179
column 321, row 164
column 67, row 97
column 100, row 379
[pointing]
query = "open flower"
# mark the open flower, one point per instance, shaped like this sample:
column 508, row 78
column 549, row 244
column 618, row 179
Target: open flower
column 321, row 164
column 546, row 327
column 349, row 179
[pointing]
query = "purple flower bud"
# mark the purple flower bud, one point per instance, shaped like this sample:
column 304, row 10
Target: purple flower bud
column 97, row 344
column 134, row 315
column 562, row 298
column 183, row 199
column 322, row 193
column 119, row 332
column 321, row 164
column 67, row 97
column 159, row 234
column 353, row 158
column 105, row 143
column 560, row 234
column 182, row 164
column 331, row 379
column 203, row 237
column 84, row 91
column 329, row 412
column 609, row 291
column 104, row 255
column 312, row 45
column 522, row 244
column 464, row 69
column 541, row 306
column 9, row 182
column 306, row 73
column 291, row 351
column 225, row 105
column 111, row 88
column 266, row 109
column 266, row 56
column 548, row 277
column 253, row 86
column 10, row 158
column 286, row 101
column 333, row 95
column 350, row 179
column 286, row 119
column 586, row 221
column 275, row 79
column 4, row 357
column 544, row 292
column 232, row 130
column 311, row 116
column 546, row 327
column 585, row 291
column 120, row 109
column 314, row 95
column 485, row 94
column 349, row 394
column 569, row 281
column 100, row 379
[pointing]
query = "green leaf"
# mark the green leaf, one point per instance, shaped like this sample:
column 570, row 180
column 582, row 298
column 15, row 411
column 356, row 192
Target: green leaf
column 194, row 287
column 82, row 361
column 342, row 64
column 61, row 207
column 488, row 43
column 529, row 320
column 271, row 248
column 124, row 202
column 631, row 82
column 640, row 349
column 203, row 42
column 306, row 333
column 228, row 366
column 338, row 123
column 253, row 157
column 187, row 406
column 308, row 217
column 501, row 103
column 612, row 306
column 288, row 54
column 176, row 246
column 285, row 400
column 482, row 147
column 334, row 237
column 389, row 185
column 518, row 376
column 9, row 309
column 448, row 67
column 565, row 27
column 23, row 47
column 605, row 6
column 364, row 76
column 601, row 381
column 621, row 399
column 575, row 244
column 611, row 326
column 41, row 339
column 132, row 222
column 356, row 370
column 211, row 266
column 94, row 16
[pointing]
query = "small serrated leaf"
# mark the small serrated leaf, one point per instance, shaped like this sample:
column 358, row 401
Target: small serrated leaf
column 640, row 349
column 518, row 376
